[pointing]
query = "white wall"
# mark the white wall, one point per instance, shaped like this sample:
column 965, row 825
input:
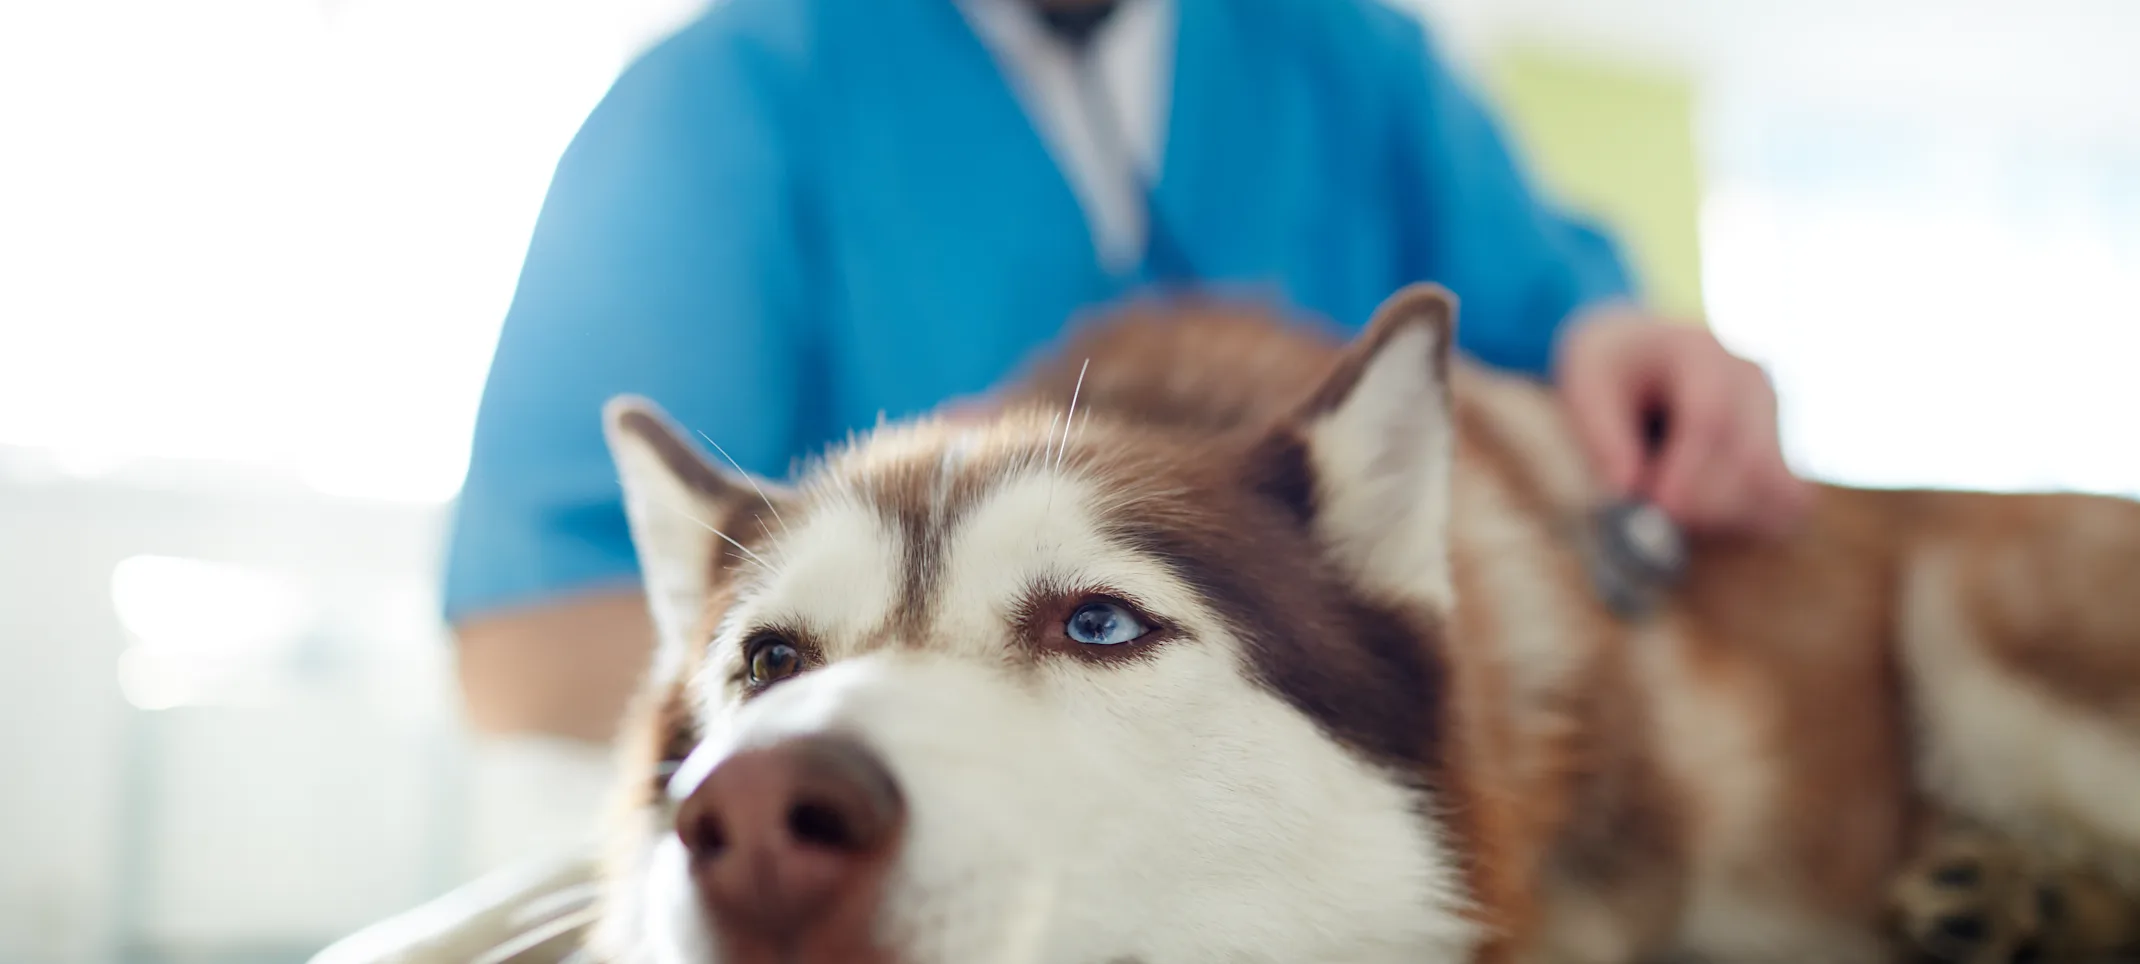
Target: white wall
column 271, row 240
column 1922, row 215
column 2064, row 63
column 297, row 793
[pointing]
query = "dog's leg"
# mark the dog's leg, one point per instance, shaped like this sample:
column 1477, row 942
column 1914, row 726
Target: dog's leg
column 2020, row 650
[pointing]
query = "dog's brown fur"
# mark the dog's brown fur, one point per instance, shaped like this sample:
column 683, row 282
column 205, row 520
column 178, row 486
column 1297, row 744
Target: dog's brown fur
column 1568, row 806
column 1746, row 766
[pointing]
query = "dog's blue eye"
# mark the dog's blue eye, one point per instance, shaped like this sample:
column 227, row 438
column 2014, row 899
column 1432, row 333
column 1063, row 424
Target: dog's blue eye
column 1104, row 624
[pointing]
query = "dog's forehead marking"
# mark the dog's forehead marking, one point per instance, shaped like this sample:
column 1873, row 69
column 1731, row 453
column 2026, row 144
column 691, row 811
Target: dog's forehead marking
column 836, row 572
column 864, row 568
column 1044, row 528
column 935, row 539
column 921, row 492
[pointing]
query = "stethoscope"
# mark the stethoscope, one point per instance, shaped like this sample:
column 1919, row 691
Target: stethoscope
column 1637, row 553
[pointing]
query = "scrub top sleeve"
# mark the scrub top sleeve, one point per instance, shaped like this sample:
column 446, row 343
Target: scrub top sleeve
column 666, row 262
column 1519, row 267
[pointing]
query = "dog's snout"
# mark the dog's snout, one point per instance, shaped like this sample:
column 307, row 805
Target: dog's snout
column 786, row 838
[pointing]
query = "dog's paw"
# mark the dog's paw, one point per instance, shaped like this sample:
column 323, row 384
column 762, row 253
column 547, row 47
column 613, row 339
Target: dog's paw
column 1965, row 900
column 1971, row 897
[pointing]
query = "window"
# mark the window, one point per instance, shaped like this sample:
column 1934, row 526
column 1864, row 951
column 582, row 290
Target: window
column 1940, row 304
column 279, row 233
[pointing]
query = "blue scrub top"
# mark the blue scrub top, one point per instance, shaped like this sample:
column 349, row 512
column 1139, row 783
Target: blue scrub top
column 796, row 215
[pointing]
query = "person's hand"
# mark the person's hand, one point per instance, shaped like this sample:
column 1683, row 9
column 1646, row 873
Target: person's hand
column 1720, row 466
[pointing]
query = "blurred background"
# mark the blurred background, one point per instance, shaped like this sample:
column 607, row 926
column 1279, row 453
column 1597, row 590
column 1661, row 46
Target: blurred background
column 254, row 253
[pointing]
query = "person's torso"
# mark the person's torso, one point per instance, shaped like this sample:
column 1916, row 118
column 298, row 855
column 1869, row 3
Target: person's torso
column 954, row 244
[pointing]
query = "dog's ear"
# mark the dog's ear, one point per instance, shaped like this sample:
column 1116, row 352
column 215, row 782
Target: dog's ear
column 1376, row 442
column 680, row 505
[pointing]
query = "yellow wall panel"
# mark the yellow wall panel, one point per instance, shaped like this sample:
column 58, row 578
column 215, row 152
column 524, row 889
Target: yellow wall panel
column 1617, row 143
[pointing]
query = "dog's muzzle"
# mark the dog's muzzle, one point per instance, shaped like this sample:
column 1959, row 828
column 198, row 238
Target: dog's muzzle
column 789, row 844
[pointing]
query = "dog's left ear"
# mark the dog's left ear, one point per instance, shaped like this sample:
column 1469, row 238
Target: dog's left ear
column 682, row 508
column 1378, row 441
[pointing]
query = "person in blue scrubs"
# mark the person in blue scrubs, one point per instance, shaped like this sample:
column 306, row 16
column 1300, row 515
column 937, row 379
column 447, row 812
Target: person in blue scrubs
column 796, row 215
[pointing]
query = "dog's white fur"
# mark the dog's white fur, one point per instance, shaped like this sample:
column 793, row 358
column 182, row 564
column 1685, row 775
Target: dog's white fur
column 1177, row 809
column 2067, row 782
column 1171, row 812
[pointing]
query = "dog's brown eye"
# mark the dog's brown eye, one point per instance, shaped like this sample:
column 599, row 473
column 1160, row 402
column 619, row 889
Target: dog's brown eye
column 772, row 659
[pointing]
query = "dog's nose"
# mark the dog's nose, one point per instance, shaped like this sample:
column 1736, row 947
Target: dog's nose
column 787, row 837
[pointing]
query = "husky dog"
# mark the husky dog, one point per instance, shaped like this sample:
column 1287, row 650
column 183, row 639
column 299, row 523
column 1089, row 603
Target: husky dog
column 1224, row 640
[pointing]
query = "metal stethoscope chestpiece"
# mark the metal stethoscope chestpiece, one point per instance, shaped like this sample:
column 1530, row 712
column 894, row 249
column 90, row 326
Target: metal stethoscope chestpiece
column 1645, row 540
column 1640, row 551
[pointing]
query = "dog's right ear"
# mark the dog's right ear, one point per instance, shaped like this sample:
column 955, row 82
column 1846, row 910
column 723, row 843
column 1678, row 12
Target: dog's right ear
column 1367, row 460
column 680, row 505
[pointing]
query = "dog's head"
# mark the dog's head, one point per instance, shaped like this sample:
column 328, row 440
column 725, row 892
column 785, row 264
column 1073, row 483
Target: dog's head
column 1038, row 689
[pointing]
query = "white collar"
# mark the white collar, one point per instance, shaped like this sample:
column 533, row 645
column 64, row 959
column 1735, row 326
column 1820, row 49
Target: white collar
column 1134, row 53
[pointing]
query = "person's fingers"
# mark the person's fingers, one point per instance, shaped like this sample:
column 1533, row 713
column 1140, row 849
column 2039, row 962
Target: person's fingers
column 1725, row 493
column 1775, row 497
column 1699, row 463
column 1754, row 452
column 1742, row 489
column 1785, row 499
column 1721, row 465
column 1604, row 397
column 1743, row 483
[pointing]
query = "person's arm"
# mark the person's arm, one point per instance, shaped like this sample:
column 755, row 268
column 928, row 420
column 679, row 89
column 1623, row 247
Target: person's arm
column 667, row 262
column 1521, row 267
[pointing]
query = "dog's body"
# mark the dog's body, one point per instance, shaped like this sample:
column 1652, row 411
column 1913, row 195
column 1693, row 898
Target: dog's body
column 1375, row 712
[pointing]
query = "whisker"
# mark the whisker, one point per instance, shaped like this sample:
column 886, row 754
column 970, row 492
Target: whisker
column 753, row 480
column 1070, row 416
column 1030, row 464
column 740, row 547
column 1049, row 451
